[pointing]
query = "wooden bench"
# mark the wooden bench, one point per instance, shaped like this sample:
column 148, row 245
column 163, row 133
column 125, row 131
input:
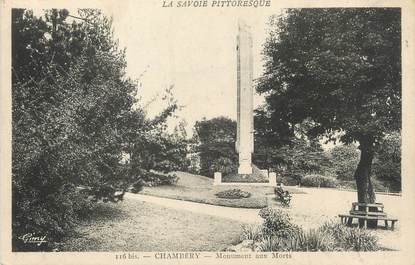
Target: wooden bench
column 348, row 219
column 367, row 213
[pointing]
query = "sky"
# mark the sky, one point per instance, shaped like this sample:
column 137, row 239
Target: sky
column 193, row 50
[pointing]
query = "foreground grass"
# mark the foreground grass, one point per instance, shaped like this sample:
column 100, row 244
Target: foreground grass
column 138, row 226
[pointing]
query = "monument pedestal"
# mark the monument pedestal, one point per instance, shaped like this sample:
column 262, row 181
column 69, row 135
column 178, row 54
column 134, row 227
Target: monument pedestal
column 244, row 168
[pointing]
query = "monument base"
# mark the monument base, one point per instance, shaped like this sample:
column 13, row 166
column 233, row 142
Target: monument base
column 245, row 169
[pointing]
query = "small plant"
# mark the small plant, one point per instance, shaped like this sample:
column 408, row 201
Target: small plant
column 357, row 239
column 351, row 239
column 277, row 223
column 312, row 240
column 233, row 194
column 251, row 232
column 319, row 181
column 268, row 244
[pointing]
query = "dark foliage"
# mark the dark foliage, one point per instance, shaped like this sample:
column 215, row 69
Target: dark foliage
column 74, row 115
column 216, row 145
column 319, row 181
column 340, row 70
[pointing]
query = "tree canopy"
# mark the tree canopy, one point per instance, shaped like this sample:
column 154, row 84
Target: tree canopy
column 74, row 115
column 216, row 145
column 340, row 68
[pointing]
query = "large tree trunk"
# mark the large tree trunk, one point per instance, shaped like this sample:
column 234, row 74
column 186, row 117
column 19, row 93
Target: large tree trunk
column 365, row 193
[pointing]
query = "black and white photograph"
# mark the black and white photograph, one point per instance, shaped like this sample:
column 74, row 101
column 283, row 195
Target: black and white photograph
column 149, row 132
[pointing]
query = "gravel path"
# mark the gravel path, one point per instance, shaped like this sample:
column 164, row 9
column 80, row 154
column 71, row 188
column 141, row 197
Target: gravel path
column 238, row 214
column 309, row 210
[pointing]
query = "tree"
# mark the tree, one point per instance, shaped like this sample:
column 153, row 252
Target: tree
column 216, row 146
column 387, row 163
column 340, row 68
column 277, row 147
column 70, row 96
column 345, row 159
column 74, row 115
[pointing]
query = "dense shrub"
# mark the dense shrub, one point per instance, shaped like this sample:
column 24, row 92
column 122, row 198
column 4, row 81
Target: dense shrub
column 277, row 233
column 57, row 214
column 311, row 240
column 378, row 185
column 351, row 239
column 152, row 179
column 319, row 181
column 387, row 162
column 268, row 244
column 137, row 187
column 277, row 223
column 74, row 114
column 215, row 143
column 233, row 194
column 251, row 232
column 224, row 165
column 347, row 184
column 290, row 178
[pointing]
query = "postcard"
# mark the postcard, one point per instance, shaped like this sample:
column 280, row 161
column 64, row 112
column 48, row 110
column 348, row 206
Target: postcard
column 207, row 132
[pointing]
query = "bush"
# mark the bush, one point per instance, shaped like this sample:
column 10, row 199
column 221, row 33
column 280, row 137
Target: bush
column 290, row 178
column 378, row 185
column 319, row 181
column 52, row 218
column 269, row 244
column 277, row 233
column 329, row 237
column 152, row 179
column 313, row 240
column 233, row 194
column 387, row 162
column 224, row 165
column 137, row 187
column 251, row 232
column 351, row 239
column 346, row 184
column 277, row 223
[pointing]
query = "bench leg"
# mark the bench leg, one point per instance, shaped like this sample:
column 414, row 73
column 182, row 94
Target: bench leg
column 393, row 225
column 349, row 221
column 386, row 224
column 362, row 223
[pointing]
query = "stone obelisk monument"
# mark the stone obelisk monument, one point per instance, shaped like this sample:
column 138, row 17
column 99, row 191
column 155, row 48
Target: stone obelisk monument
column 245, row 118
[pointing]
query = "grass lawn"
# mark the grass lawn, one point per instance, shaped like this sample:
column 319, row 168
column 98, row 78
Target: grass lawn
column 133, row 225
column 197, row 188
